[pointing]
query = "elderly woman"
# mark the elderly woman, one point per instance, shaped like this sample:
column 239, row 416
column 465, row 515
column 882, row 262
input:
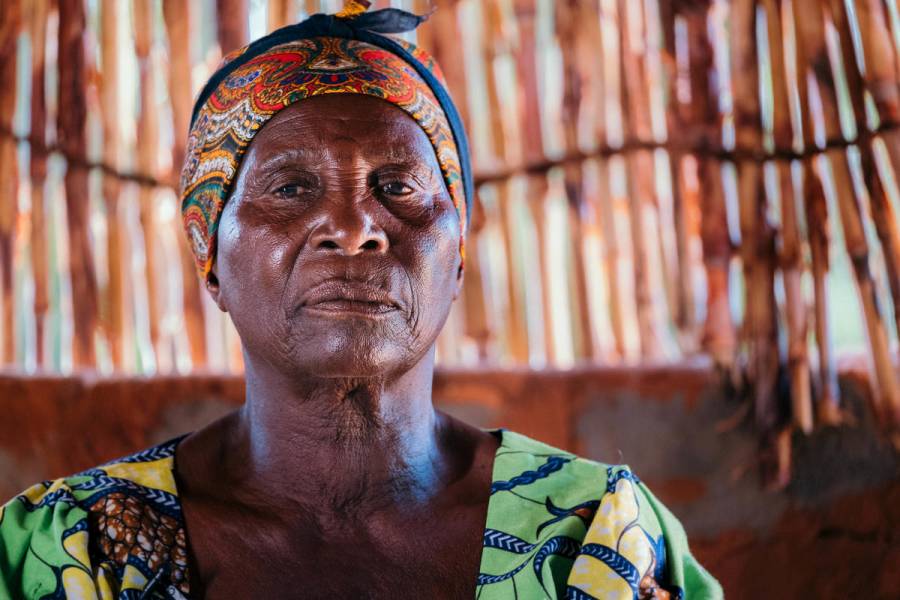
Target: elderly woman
column 325, row 196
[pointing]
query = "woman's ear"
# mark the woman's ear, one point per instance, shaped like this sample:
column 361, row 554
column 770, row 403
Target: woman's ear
column 215, row 292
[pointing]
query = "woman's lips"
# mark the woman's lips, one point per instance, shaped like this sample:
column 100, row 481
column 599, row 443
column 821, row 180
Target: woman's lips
column 345, row 297
column 352, row 306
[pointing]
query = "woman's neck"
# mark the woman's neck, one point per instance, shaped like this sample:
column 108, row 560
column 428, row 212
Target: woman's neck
column 355, row 445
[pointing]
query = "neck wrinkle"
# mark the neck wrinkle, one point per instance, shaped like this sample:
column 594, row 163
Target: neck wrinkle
column 350, row 445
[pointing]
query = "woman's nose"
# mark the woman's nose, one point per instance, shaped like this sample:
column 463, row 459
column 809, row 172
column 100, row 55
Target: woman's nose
column 349, row 232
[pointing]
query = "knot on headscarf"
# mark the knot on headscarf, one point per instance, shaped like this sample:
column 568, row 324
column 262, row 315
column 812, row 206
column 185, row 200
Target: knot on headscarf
column 346, row 53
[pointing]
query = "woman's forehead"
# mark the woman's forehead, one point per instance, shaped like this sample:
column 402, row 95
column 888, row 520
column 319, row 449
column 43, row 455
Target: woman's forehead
column 330, row 126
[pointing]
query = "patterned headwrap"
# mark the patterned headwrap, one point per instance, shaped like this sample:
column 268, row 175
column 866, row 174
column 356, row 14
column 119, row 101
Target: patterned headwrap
column 345, row 53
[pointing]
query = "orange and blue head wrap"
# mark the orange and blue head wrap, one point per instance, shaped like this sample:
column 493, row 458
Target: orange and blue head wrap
column 345, row 53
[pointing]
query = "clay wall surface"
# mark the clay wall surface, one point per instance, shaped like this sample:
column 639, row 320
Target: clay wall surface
column 833, row 533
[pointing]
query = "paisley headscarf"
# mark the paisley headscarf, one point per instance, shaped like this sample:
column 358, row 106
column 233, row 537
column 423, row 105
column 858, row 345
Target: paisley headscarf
column 346, row 53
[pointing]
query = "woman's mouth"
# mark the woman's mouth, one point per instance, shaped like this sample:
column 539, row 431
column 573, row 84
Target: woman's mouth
column 343, row 297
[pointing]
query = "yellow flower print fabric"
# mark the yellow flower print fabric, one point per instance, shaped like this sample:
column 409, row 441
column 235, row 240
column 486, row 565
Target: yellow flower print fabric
column 559, row 526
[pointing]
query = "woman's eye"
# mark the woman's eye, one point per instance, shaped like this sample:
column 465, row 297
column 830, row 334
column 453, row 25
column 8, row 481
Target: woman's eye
column 290, row 190
column 396, row 188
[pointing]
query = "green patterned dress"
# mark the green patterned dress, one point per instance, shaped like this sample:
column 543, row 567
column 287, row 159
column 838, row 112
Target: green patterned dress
column 558, row 526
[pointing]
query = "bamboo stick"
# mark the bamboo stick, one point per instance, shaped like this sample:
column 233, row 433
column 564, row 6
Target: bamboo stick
column 538, row 187
column 114, row 309
column 812, row 54
column 232, row 24
column 10, row 25
column 641, row 199
column 572, row 17
column 493, row 42
column 681, row 296
column 596, row 245
column 759, row 328
column 886, row 226
column 592, row 58
column 477, row 326
column 612, row 255
column 444, row 37
column 686, row 210
column 719, row 336
column 38, row 172
column 526, row 72
column 701, row 115
column 881, row 75
column 816, row 210
column 148, row 133
column 745, row 78
column 280, row 13
column 837, row 12
column 424, row 32
column 179, row 18
column 782, row 131
column 683, row 202
column 578, row 224
column 793, row 270
column 518, row 322
column 71, row 121
column 566, row 20
column 635, row 100
column 887, row 394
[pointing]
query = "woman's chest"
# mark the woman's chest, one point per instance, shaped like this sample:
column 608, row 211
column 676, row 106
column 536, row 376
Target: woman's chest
column 430, row 559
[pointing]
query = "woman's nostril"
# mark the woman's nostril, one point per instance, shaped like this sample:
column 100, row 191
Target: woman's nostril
column 370, row 245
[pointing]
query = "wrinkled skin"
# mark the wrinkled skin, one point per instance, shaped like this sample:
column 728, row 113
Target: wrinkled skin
column 338, row 261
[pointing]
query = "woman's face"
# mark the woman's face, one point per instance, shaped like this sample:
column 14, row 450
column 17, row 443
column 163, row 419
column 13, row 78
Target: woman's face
column 338, row 250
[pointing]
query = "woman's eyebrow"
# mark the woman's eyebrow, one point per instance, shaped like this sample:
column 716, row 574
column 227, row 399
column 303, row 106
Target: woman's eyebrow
column 313, row 155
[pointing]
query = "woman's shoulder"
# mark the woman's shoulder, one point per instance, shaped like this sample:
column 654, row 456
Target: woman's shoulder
column 112, row 527
column 590, row 529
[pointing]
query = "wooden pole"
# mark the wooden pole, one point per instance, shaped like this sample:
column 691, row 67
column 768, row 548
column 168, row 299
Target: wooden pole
column 817, row 219
column 71, row 121
column 881, row 75
column 701, row 115
column 793, row 269
column 640, row 192
column 281, row 13
column 578, row 224
column 635, row 101
column 179, row 18
column 837, row 11
column 538, row 186
column 682, row 301
column 887, row 394
column 493, row 45
column 517, row 329
column 232, row 25
column 886, row 226
column 148, row 134
column 10, row 25
column 114, row 309
column 444, row 38
column 782, row 132
column 38, row 171
column 612, row 251
column 812, row 55
column 477, row 324
column 745, row 75
column 526, row 73
column 759, row 330
column 719, row 336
